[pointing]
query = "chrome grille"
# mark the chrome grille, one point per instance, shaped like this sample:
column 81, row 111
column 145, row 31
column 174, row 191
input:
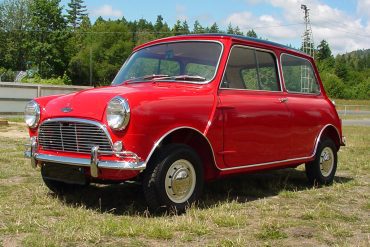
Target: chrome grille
column 70, row 136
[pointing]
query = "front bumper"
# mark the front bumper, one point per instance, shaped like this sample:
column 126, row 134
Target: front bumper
column 94, row 163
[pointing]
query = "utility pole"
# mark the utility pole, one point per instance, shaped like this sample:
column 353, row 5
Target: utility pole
column 308, row 47
column 91, row 83
column 307, row 37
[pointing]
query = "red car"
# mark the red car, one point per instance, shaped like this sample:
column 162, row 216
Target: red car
column 188, row 109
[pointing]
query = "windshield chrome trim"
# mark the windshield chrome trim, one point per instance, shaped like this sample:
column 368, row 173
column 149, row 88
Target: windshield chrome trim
column 179, row 41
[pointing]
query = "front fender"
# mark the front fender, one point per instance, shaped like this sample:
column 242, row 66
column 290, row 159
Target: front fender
column 151, row 121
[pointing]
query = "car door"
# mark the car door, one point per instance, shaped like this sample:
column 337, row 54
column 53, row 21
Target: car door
column 305, row 103
column 256, row 118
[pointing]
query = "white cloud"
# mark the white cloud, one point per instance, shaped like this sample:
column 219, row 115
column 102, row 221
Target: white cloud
column 181, row 12
column 363, row 7
column 266, row 26
column 107, row 11
column 342, row 31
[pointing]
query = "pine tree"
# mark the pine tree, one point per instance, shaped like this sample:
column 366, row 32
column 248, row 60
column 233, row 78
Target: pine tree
column 158, row 24
column 214, row 28
column 177, row 28
column 341, row 69
column 252, row 34
column 230, row 29
column 185, row 27
column 76, row 12
column 237, row 31
column 323, row 51
column 197, row 27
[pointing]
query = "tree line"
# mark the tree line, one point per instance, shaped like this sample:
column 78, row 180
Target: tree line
column 345, row 76
column 53, row 47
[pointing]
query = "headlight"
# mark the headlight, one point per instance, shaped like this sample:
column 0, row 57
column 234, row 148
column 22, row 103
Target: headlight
column 118, row 113
column 32, row 114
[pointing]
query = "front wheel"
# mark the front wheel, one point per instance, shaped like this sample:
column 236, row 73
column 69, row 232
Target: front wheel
column 57, row 186
column 174, row 180
column 322, row 170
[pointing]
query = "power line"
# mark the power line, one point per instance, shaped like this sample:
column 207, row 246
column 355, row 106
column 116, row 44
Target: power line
column 341, row 29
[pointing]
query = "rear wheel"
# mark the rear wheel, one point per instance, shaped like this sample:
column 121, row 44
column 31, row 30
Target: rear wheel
column 174, row 180
column 322, row 170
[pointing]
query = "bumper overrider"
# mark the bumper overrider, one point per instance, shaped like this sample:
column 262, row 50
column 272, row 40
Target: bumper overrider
column 95, row 162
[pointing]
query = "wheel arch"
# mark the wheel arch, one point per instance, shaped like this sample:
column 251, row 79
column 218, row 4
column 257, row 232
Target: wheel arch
column 329, row 131
column 194, row 139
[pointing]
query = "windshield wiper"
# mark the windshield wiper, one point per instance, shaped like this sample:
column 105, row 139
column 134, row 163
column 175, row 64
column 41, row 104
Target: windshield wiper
column 159, row 77
column 188, row 78
column 148, row 77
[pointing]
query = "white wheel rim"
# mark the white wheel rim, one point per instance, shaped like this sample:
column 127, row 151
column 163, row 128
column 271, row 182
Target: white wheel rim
column 180, row 181
column 326, row 161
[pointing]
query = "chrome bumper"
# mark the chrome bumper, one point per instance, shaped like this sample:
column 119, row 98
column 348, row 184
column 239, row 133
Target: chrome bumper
column 94, row 162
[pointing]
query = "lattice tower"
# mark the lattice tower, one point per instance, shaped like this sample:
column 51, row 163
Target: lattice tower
column 309, row 48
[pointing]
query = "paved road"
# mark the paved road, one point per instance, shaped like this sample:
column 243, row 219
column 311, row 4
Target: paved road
column 356, row 122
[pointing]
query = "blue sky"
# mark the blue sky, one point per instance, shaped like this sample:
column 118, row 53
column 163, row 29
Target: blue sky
column 345, row 24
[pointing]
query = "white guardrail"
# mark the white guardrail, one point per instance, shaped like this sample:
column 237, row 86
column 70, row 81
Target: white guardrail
column 353, row 109
column 14, row 96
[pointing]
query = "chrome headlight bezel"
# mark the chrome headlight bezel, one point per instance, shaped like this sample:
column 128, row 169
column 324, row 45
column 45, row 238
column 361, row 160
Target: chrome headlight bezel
column 32, row 114
column 118, row 113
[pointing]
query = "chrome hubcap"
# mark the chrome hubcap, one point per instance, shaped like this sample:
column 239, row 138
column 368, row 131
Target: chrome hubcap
column 326, row 161
column 180, row 181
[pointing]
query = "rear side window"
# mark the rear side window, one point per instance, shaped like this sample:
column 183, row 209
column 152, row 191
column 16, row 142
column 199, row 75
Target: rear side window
column 299, row 76
column 251, row 69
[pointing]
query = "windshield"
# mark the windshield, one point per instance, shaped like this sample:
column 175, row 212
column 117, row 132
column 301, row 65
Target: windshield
column 191, row 61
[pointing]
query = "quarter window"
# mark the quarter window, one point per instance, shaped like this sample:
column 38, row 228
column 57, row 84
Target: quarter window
column 298, row 74
column 251, row 69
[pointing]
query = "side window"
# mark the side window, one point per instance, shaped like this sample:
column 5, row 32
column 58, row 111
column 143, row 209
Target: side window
column 251, row 69
column 267, row 71
column 299, row 76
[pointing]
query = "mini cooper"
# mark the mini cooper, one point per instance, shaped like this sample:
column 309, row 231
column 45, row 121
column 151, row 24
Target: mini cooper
column 185, row 110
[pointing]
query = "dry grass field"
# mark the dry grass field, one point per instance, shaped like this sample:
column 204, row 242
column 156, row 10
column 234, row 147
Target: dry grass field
column 275, row 208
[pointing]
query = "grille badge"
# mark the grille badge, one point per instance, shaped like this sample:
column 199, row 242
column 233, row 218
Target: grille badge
column 66, row 109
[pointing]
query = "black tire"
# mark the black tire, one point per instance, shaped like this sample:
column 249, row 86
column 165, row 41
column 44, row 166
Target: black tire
column 321, row 171
column 59, row 187
column 169, row 170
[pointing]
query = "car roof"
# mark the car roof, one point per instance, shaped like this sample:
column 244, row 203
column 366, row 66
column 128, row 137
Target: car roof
column 223, row 36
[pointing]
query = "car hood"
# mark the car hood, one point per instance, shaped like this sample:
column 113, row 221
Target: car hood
column 92, row 103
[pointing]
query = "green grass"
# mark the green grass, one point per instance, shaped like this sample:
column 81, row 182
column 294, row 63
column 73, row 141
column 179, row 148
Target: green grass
column 351, row 102
column 275, row 208
column 15, row 118
column 270, row 232
column 354, row 117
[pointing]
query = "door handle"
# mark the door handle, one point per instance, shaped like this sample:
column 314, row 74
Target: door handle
column 283, row 100
column 225, row 107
